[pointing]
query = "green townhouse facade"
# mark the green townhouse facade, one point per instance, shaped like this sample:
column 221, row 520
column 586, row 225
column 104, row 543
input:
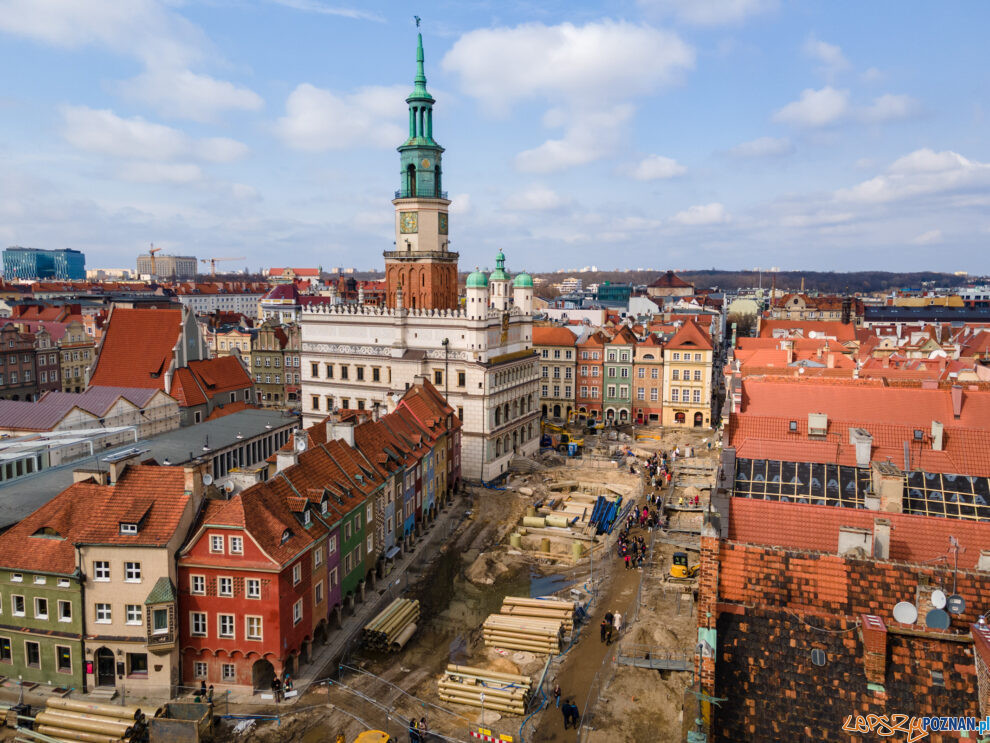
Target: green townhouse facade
column 41, row 609
column 618, row 384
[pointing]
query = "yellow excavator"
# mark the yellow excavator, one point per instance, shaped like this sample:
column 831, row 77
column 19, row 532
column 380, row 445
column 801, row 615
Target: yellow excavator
column 680, row 569
column 373, row 736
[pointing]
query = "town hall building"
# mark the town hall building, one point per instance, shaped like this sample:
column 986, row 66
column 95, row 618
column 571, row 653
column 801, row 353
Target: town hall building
column 478, row 354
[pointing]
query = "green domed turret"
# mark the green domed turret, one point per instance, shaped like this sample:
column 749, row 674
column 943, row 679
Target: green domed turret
column 476, row 280
column 499, row 274
column 523, row 281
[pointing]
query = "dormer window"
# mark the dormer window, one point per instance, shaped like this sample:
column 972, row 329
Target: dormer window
column 286, row 535
column 307, row 519
column 324, row 506
column 128, row 528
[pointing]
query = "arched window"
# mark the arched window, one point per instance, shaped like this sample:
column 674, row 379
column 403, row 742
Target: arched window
column 411, row 180
column 498, row 447
column 439, row 187
column 498, row 416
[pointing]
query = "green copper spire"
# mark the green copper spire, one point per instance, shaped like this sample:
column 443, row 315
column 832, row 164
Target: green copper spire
column 420, row 93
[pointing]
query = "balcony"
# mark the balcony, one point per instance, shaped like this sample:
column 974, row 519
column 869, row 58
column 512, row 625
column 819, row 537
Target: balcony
column 406, row 194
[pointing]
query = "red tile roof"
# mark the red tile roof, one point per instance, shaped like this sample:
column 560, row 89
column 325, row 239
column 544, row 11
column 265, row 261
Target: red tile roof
column 137, row 348
column 691, row 335
column 231, row 407
column 670, row 280
column 552, row 336
column 913, row 538
column 804, row 329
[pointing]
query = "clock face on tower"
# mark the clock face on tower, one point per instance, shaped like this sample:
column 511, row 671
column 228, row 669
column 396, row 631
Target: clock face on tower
column 443, row 223
column 408, row 222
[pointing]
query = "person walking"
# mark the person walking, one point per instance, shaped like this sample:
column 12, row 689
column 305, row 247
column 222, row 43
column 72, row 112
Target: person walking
column 605, row 626
column 575, row 716
column 608, row 635
column 566, row 712
column 413, row 732
column 617, row 621
column 277, row 689
column 556, row 695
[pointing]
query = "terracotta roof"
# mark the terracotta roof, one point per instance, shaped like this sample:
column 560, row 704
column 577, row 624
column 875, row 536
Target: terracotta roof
column 670, row 280
column 623, row 337
column 691, row 335
column 804, row 328
column 137, row 348
column 913, row 538
column 231, row 407
column 552, row 336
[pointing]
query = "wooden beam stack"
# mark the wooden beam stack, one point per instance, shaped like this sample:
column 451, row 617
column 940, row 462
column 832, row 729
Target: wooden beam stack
column 517, row 606
column 392, row 628
column 504, row 692
column 532, row 634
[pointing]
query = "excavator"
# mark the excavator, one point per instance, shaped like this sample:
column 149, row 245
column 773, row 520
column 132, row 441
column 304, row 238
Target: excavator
column 680, row 569
column 373, row 736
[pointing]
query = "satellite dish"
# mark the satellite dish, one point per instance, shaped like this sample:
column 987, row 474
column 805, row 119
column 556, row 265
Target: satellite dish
column 207, row 479
column 906, row 613
column 956, row 604
column 938, row 599
column 937, row 619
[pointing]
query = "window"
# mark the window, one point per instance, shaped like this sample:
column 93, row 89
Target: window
column 199, row 669
column 32, row 654
column 252, row 628
column 460, row 413
column 133, row 613
column 318, row 593
column 197, row 623
column 225, row 586
column 544, row 392
column 64, row 611
column 584, row 391
column 297, row 612
column 332, row 545
column 674, row 396
column 41, row 608
column 640, row 372
column 343, row 371
column 545, row 353
column 697, row 357
column 296, row 573
column 654, row 394
column 40, row 580
column 314, row 369
column 253, row 588
column 332, row 578
column 236, row 545
column 677, row 356
column 63, row 659
column 225, row 625
column 329, row 371
column 103, row 615
column 654, row 373
column 17, row 578
column 197, row 585
column 126, row 528
column 159, row 621
column 137, row 664
column 697, row 375
column 360, row 373
column 611, row 390
column 5, row 655
column 623, row 390
column 316, row 402
column 17, row 605
column 369, row 545
column 556, row 390
column 624, row 372
column 461, row 378
column 567, row 391
column 438, row 377
column 696, row 397
column 640, row 393
column 675, row 374
column 228, row 672
column 611, row 372
column 132, row 572
column 216, row 543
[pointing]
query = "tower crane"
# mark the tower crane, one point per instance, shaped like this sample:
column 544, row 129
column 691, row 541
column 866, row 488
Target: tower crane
column 152, row 252
column 213, row 262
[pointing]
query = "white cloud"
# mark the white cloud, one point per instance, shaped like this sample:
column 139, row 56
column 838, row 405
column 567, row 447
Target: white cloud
column 932, row 237
column 587, row 75
column 150, row 31
column 460, row 203
column 157, row 172
column 818, row 219
column 103, row 132
column 872, row 75
column 831, row 57
column 656, row 167
column 587, row 137
column 312, row 6
column 709, row 12
column 922, row 172
column 763, row 147
column 536, row 198
column 702, row 214
column 318, row 120
column 815, row 108
column 891, row 107
column 189, row 95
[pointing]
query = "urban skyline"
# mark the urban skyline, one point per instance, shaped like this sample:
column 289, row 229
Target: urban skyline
column 708, row 131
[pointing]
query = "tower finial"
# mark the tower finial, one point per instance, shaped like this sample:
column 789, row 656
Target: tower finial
column 420, row 79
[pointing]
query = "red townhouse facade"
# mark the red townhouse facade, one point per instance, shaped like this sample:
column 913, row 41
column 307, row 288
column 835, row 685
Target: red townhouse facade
column 590, row 374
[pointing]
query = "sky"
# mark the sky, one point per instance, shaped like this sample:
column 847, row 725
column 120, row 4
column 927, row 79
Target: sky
column 818, row 135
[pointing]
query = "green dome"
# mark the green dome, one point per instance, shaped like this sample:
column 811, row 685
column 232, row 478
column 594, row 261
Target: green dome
column 476, row 280
column 523, row 281
column 499, row 274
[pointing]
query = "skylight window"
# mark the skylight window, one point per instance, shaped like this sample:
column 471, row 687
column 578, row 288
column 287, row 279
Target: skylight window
column 128, row 528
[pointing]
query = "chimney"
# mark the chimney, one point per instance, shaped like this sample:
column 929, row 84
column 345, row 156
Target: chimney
column 981, row 653
column 120, row 462
column 192, row 478
column 956, row 401
column 863, row 441
column 874, row 634
column 983, row 563
column 888, row 483
column 855, row 542
column 830, row 363
column 341, row 430
column 937, row 434
column 881, row 539
column 300, row 440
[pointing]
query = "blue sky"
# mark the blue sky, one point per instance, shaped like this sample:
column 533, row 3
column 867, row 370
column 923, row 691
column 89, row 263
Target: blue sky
column 624, row 134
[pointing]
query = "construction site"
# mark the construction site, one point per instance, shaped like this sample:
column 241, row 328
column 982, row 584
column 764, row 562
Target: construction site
column 474, row 638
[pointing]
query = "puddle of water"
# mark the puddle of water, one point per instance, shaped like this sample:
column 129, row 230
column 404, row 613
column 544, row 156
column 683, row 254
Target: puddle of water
column 545, row 585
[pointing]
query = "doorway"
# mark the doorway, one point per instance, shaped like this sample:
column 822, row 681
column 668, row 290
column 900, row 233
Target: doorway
column 105, row 670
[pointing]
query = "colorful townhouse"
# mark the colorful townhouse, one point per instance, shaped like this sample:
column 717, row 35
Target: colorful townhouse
column 252, row 589
column 590, row 350
column 436, row 417
column 41, row 609
column 648, row 381
column 617, row 402
column 687, row 358
column 557, row 357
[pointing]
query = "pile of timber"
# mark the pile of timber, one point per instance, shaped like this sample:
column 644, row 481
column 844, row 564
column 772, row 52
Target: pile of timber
column 517, row 606
column 392, row 628
column 504, row 692
column 532, row 634
column 90, row 722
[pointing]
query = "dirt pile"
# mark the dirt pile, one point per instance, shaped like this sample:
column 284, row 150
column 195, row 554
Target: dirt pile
column 489, row 567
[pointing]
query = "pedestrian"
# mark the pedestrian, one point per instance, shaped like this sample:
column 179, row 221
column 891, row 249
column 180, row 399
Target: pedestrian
column 608, row 635
column 618, row 623
column 627, row 561
column 575, row 715
column 609, row 617
column 277, row 689
column 202, row 689
column 424, row 730
column 209, row 695
column 566, row 712
column 413, row 732
column 604, row 629
column 556, row 695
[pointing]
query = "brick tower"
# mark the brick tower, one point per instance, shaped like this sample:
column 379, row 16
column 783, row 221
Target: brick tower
column 420, row 263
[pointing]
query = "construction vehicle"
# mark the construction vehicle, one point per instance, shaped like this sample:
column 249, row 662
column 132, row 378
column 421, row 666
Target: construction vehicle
column 213, row 262
column 373, row 736
column 680, row 569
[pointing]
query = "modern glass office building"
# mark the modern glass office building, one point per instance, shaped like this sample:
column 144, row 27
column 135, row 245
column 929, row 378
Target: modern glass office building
column 30, row 263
